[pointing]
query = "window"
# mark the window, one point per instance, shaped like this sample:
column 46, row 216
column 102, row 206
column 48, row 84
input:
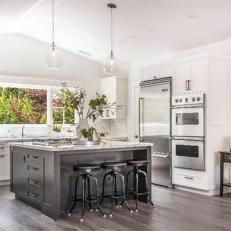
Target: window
column 23, row 105
column 61, row 115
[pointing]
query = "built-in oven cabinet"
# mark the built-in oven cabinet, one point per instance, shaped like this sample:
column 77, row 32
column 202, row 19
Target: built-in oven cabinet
column 190, row 178
column 188, row 154
column 188, row 121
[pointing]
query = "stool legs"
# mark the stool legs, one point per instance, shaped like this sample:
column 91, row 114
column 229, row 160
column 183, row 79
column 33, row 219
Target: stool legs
column 86, row 194
column 75, row 197
column 115, row 195
column 96, row 194
column 135, row 191
column 83, row 198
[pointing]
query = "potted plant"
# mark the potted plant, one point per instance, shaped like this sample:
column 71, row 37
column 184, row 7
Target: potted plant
column 76, row 99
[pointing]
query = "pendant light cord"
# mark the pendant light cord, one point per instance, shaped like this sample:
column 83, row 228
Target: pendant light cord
column 53, row 24
column 111, row 31
column 111, row 34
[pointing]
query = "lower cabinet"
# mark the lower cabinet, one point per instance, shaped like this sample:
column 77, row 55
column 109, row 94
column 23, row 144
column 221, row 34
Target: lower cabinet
column 33, row 179
column 4, row 162
column 190, row 178
column 26, row 173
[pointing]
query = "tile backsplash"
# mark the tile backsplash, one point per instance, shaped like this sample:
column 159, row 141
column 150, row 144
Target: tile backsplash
column 111, row 128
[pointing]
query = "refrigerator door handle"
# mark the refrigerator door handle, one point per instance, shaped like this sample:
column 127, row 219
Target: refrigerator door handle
column 161, row 156
column 141, row 118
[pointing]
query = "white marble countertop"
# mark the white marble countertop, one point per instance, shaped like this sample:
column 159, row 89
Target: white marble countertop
column 73, row 147
column 22, row 139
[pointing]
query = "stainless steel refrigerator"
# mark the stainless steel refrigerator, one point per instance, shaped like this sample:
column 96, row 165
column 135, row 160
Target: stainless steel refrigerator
column 154, row 125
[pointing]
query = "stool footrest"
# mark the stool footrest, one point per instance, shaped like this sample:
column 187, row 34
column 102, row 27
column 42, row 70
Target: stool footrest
column 139, row 193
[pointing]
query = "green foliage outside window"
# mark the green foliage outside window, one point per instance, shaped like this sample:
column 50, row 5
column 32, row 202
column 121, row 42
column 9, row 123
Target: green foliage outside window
column 62, row 114
column 23, row 106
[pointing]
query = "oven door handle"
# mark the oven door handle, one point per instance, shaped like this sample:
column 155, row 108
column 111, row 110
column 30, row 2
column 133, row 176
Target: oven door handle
column 141, row 118
column 193, row 138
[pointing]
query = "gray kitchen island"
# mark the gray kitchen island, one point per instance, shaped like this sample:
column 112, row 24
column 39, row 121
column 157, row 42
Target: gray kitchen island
column 42, row 174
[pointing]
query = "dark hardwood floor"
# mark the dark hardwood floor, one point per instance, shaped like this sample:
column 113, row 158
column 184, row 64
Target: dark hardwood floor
column 174, row 211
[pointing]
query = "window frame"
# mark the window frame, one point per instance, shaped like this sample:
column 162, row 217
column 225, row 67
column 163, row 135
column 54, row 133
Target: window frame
column 54, row 107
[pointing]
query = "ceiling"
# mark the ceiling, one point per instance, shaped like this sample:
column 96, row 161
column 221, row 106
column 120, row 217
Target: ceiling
column 143, row 29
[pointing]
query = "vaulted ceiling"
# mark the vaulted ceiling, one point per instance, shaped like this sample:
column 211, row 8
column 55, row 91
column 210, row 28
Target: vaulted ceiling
column 143, row 28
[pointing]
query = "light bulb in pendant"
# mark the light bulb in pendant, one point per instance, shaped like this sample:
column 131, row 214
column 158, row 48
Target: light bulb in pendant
column 54, row 59
column 111, row 64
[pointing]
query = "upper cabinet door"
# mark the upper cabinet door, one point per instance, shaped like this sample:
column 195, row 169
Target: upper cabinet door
column 182, row 77
column 199, row 76
column 115, row 90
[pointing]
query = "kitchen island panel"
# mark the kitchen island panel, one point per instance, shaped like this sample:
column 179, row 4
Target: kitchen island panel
column 52, row 191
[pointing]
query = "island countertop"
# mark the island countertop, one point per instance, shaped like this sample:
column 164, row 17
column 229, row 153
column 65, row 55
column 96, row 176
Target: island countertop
column 73, row 147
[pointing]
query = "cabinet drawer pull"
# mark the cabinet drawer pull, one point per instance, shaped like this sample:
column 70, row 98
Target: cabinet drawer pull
column 35, row 195
column 188, row 177
column 2, row 147
column 33, row 168
column 1, row 156
column 32, row 157
column 33, row 182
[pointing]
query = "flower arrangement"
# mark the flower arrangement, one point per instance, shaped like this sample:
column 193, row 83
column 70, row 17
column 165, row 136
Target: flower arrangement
column 76, row 99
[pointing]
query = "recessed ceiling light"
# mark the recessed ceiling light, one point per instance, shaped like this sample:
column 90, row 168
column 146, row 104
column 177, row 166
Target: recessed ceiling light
column 152, row 30
column 133, row 37
column 84, row 53
column 193, row 16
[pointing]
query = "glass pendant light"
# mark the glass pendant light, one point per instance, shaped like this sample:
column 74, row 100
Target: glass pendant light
column 54, row 57
column 111, row 64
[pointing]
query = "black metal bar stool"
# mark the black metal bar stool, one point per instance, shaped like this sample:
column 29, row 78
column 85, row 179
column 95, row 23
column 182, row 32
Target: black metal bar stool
column 87, row 197
column 115, row 196
column 135, row 169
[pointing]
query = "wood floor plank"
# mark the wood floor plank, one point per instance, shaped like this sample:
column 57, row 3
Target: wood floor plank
column 174, row 211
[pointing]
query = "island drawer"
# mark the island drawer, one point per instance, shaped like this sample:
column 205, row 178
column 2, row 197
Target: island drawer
column 34, row 193
column 34, row 158
column 34, row 181
column 33, row 170
column 227, row 158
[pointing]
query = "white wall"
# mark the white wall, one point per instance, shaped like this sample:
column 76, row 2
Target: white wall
column 23, row 56
column 23, row 60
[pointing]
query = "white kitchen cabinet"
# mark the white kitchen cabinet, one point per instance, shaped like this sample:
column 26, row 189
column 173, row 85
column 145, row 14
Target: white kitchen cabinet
column 4, row 162
column 210, row 75
column 182, row 74
column 115, row 90
column 199, row 78
column 190, row 77
column 190, row 178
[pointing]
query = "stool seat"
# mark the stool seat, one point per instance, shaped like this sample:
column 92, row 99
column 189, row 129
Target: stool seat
column 138, row 162
column 113, row 164
column 85, row 167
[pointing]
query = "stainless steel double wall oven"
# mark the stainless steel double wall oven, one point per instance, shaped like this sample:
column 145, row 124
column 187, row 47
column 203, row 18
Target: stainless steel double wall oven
column 188, row 131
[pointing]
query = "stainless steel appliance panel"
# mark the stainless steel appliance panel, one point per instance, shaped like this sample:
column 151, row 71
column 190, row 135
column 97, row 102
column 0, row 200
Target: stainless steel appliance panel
column 154, row 126
column 188, row 121
column 154, row 111
column 188, row 153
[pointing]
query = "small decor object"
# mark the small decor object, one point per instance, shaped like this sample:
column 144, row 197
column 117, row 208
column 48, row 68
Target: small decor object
column 75, row 99
column 111, row 63
column 54, row 57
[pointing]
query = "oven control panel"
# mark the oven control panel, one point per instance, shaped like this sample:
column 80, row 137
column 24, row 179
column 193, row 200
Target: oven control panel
column 189, row 99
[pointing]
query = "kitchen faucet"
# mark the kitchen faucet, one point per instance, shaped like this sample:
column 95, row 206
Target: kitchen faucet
column 23, row 131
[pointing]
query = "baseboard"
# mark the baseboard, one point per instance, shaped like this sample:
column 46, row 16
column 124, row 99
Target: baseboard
column 198, row 191
column 4, row 182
